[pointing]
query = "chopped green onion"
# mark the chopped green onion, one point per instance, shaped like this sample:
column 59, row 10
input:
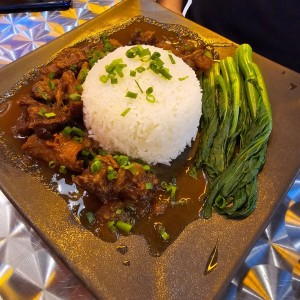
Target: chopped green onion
column 170, row 188
column 110, row 168
column 132, row 52
column 155, row 55
column 111, row 225
column 183, row 78
column 95, row 166
column 122, row 160
column 75, row 97
column 42, row 112
column 121, row 225
column 161, row 230
column 50, row 115
column 51, row 75
column 114, row 80
column 62, row 169
column 103, row 78
column 139, row 87
column 78, row 139
column 112, row 175
column 90, row 217
column 73, row 67
column 149, row 90
column 52, row 164
column 172, row 59
column 148, row 185
column 140, row 69
column 132, row 73
column 131, row 95
column 51, row 85
column 150, row 98
column 125, row 112
column 72, row 130
column 164, row 72
column 78, row 87
column 146, row 167
column 119, row 211
column 145, row 52
column 85, row 152
column 82, row 75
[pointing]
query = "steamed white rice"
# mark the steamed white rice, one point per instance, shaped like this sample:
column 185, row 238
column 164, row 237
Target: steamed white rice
column 154, row 132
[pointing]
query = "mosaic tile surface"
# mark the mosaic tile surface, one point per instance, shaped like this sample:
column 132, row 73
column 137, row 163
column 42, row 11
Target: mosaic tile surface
column 29, row 270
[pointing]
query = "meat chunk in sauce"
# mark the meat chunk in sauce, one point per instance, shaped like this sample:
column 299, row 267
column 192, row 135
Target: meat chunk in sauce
column 62, row 150
column 124, row 185
column 67, row 58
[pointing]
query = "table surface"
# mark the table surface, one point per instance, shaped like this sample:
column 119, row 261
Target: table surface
column 29, row 270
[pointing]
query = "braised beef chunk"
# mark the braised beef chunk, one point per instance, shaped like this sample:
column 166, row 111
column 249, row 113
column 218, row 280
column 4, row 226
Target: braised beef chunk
column 48, row 90
column 124, row 185
column 141, row 37
column 63, row 150
column 69, row 82
column 66, row 59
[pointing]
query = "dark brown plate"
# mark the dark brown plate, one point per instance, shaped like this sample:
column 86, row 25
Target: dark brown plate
column 178, row 272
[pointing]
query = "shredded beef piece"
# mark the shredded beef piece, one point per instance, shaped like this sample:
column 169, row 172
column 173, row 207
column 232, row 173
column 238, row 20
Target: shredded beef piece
column 47, row 89
column 199, row 59
column 64, row 60
column 126, row 187
column 69, row 82
column 36, row 119
column 63, row 150
column 140, row 37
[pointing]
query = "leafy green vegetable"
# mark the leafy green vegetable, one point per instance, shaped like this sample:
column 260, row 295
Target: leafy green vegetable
column 236, row 106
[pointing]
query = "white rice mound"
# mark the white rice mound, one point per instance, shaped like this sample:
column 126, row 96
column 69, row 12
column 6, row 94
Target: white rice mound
column 154, row 132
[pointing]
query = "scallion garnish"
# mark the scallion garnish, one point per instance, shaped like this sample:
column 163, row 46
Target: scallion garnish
column 90, row 217
column 164, row 72
column 73, row 67
column 149, row 90
column 148, row 185
column 131, row 95
column 172, row 59
column 112, row 174
column 51, row 75
column 103, row 78
column 150, row 98
column 140, row 69
column 111, row 225
column 72, row 131
column 170, row 188
column 125, row 112
column 132, row 73
column 95, row 166
column 155, row 55
column 146, row 167
column 78, row 139
column 75, row 97
column 42, row 112
column 62, row 169
column 52, row 164
column 50, row 115
column 114, row 80
column 161, row 230
column 183, row 78
column 51, row 85
column 119, row 211
column 121, row 225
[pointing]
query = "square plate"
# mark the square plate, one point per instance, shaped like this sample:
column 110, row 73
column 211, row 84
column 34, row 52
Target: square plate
column 178, row 272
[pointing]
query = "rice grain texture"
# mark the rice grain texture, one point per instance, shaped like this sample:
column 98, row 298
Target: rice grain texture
column 154, row 132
